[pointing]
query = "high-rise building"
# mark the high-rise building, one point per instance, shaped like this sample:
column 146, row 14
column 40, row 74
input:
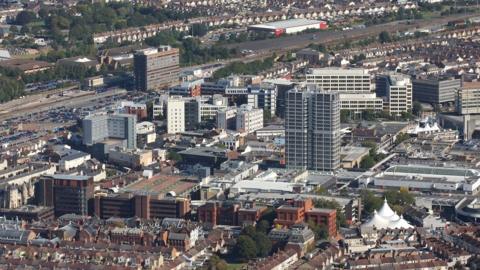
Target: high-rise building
column 312, row 129
column 175, row 115
column 468, row 99
column 264, row 97
column 340, row 79
column 102, row 126
column 396, row 90
column 436, row 90
column 72, row 194
column 354, row 85
column 227, row 118
column 249, row 119
column 156, row 68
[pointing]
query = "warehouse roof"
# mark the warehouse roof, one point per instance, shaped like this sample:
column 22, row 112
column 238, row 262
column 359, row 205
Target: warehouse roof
column 439, row 171
column 286, row 23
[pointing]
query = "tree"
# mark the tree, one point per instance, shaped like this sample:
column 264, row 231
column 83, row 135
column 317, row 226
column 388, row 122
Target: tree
column 174, row 156
column 369, row 115
column 345, row 116
column 10, row 89
column 269, row 215
column 331, row 204
column 263, row 226
column 25, row 17
column 401, row 137
column 367, row 162
column 320, row 231
column 246, row 249
column 267, row 116
column 199, row 29
column 264, row 245
column 249, row 231
column 417, row 108
column 215, row 263
column 401, row 197
column 370, row 201
column 384, row 37
column 369, row 144
column 321, row 191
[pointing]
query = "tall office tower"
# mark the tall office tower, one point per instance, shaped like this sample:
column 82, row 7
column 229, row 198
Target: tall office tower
column 227, row 118
column 312, row 129
column 99, row 127
column 340, row 80
column 249, row 119
column 468, row 98
column 264, row 97
column 436, row 90
column 71, row 194
column 396, row 90
column 354, row 85
column 156, row 68
column 192, row 113
column 175, row 115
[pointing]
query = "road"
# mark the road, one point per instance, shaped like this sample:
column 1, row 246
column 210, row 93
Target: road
column 329, row 36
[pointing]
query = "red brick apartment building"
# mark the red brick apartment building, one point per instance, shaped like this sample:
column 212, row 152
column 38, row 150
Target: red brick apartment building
column 304, row 211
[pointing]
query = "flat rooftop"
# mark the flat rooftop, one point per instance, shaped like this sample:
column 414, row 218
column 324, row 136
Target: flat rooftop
column 351, row 153
column 161, row 184
column 337, row 71
column 286, row 24
column 204, row 151
column 264, row 185
column 70, row 177
column 434, row 171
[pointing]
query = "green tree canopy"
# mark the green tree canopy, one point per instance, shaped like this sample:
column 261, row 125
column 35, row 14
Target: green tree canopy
column 384, row 37
column 10, row 89
column 246, row 249
column 25, row 17
column 367, row 162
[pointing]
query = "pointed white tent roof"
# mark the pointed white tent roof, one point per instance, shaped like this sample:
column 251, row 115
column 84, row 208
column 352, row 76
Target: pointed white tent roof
column 400, row 224
column 386, row 218
column 386, row 211
column 377, row 221
column 395, row 217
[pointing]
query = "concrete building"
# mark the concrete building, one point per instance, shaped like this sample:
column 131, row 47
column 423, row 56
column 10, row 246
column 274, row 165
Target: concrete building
column 312, row 129
column 427, row 178
column 127, row 205
column 73, row 160
column 468, row 99
column 210, row 106
column 396, row 90
column 312, row 56
column 227, row 118
column 138, row 109
column 249, row 119
column 156, row 68
column 102, row 126
column 304, row 211
column 289, row 26
column 264, row 97
column 283, row 86
column 175, row 115
column 132, row 159
column 71, row 194
column 359, row 102
column 340, row 80
column 187, row 88
column 145, row 133
column 435, row 90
